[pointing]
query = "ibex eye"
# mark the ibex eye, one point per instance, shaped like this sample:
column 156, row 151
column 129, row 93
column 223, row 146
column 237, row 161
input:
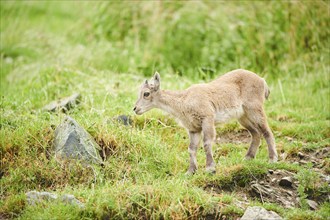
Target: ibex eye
column 146, row 94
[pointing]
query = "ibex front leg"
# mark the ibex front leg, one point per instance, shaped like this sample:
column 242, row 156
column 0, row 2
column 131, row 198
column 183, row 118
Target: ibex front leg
column 209, row 136
column 194, row 142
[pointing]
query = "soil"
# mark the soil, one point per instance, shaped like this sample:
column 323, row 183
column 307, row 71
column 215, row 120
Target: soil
column 278, row 186
column 239, row 137
column 316, row 158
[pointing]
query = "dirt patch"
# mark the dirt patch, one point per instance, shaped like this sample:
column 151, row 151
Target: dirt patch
column 233, row 137
column 279, row 186
column 316, row 158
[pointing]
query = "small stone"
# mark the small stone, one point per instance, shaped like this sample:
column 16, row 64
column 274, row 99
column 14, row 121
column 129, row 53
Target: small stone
column 326, row 178
column 303, row 162
column 124, row 119
column 284, row 156
column 259, row 213
column 301, row 155
column 270, row 171
column 277, row 172
column 34, row 197
column 312, row 204
column 286, row 181
column 314, row 162
column 70, row 199
column 63, row 104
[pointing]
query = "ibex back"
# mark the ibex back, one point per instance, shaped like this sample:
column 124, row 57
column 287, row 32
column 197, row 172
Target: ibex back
column 237, row 94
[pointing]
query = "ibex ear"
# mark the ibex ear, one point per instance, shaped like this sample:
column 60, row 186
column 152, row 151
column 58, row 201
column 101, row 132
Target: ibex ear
column 156, row 81
column 145, row 84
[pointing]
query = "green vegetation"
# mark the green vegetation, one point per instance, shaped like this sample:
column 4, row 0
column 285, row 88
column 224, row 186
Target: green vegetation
column 104, row 50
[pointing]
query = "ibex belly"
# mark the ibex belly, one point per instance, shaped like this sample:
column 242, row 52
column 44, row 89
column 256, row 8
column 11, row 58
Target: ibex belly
column 226, row 115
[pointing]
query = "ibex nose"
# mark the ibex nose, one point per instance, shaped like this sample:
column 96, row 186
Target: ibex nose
column 134, row 108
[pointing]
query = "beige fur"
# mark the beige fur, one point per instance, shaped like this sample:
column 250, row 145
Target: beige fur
column 237, row 94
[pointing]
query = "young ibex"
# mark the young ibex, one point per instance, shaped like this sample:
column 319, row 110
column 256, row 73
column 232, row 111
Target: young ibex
column 238, row 94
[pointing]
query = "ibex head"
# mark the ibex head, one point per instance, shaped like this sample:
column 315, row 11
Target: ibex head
column 147, row 94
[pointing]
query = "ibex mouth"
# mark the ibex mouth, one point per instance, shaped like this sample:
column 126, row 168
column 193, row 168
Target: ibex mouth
column 137, row 110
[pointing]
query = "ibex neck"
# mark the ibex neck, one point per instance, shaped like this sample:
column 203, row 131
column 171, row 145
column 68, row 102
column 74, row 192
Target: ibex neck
column 170, row 101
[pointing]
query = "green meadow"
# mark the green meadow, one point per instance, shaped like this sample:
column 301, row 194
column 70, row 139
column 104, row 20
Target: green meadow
column 105, row 50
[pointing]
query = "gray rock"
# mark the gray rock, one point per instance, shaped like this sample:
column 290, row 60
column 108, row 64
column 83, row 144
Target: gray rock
column 34, row 197
column 63, row 104
column 312, row 204
column 70, row 199
column 259, row 213
column 124, row 119
column 73, row 142
column 286, row 181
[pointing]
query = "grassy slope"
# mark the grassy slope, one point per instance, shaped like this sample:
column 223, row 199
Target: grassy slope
column 50, row 50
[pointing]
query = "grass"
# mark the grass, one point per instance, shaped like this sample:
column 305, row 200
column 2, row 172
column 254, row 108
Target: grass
column 104, row 50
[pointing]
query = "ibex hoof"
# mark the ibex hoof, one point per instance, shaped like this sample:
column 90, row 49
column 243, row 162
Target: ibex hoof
column 210, row 170
column 248, row 157
column 273, row 160
column 190, row 172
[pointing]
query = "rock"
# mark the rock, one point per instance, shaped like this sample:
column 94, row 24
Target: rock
column 126, row 120
column 312, row 204
column 73, row 142
column 34, row 197
column 273, row 180
column 301, row 155
column 270, row 171
column 259, row 213
column 70, row 199
column 326, row 178
column 286, row 181
column 63, row 104
column 283, row 156
column 303, row 162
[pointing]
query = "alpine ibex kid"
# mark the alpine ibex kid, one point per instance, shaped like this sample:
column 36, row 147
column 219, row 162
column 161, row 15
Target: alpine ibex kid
column 238, row 94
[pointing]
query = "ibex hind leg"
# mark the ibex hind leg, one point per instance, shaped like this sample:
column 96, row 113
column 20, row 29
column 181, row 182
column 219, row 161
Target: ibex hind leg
column 256, row 120
column 269, row 137
column 255, row 137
